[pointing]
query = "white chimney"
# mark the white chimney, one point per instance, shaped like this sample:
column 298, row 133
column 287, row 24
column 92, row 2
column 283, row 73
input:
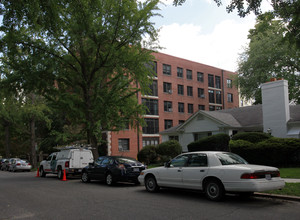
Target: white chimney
column 275, row 107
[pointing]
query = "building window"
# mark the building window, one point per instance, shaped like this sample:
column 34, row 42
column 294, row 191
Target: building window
column 180, row 89
column 201, row 107
column 211, row 95
column 168, row 124
column 152, row 106
column 179, row 72
column 181, row 122
column 200, row 77
column 175, row 137
column 211, row 81
column 229, row 83
column 190, row 108
column 151, row 126
column 189, row 74
column 190, row 91
column 218, row 108
column 167, row 87
column 152, row 66
column 201, row 93
column 150, row 141
column 180, row 107
column 218, row 82
column 153, row 88
column 166, row 69
column 230, row 97
column 168, row 106
column 218, row 97
column 211, row 108
column 123, row 144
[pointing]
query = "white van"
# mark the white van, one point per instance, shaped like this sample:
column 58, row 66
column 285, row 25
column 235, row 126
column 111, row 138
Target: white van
column 70, row 160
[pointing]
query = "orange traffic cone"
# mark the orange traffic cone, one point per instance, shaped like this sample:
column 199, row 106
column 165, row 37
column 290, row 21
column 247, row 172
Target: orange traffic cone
column 65, row 176
column 37, row 173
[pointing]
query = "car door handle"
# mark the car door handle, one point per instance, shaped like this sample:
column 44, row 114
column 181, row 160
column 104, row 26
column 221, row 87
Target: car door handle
column 179, row 170
column 202, row 171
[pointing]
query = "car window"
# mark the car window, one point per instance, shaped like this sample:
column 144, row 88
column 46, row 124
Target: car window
column 230, row 158
column 197, row 160
column 179, row 161
column 106, row 161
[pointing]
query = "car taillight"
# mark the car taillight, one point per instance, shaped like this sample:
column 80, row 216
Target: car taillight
column 29, row 164
column 18, row 164
column 260, row 175
column 67, row 164
column 249, row 176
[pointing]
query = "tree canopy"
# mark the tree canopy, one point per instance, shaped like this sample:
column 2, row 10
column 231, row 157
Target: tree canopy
column 88, row 57
column 268, row 55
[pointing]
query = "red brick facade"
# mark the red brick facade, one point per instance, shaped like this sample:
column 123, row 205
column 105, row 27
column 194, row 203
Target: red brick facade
column 178, row 96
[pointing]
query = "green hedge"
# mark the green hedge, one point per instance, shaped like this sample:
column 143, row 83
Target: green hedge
column 160, row 153
column 218, row 142
column 280, row 152
column 253, row 137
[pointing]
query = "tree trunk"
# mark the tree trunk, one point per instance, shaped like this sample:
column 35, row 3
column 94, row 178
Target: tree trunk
column 33, row 143
column 7, row 140
column 32, row 136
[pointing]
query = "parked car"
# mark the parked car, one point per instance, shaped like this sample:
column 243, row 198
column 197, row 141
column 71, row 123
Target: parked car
column 213, row 172
column 3, row 163
column 20, row 165
column 112, row 169
column 10, row 163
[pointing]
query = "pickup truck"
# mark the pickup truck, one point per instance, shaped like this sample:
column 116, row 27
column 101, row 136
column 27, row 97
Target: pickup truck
column 71, row 160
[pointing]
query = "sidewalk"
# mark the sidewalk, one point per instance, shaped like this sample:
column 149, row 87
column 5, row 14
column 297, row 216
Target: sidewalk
column 285, row 197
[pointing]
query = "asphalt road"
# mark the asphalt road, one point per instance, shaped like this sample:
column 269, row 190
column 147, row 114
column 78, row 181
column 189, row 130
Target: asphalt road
column 24, row 196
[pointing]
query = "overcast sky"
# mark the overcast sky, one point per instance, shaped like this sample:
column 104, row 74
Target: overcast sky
column 201, row 31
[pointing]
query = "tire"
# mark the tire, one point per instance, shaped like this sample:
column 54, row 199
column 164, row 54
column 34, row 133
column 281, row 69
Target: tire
column 214, row 190
column 151, row 184
column 42, row 172
column 109, row 180
column 85, row 177
column 60, row 173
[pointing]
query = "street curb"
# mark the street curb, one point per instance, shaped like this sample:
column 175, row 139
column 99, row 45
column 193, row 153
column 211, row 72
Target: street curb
column 276, row 196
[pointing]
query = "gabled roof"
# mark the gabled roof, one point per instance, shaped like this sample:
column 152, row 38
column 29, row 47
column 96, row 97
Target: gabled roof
column 244, row 117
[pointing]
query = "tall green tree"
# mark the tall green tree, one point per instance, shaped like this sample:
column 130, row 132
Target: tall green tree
column 287, row 10
column 267, row 56
column 89, row 57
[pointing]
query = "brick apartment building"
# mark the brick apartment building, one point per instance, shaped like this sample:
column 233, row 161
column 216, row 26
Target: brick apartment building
column 181, row 88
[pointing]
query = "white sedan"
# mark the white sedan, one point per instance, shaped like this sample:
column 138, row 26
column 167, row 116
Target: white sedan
column 213, row 172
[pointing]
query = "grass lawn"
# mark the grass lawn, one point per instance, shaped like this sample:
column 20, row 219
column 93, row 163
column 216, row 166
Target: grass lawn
column 291, row 189
column 293, row 173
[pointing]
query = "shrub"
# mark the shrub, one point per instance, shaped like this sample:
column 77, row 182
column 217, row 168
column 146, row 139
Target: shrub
column 280, row 152
column 218, row 142
column 253, row 137
column 147, row 154
column 167, row 150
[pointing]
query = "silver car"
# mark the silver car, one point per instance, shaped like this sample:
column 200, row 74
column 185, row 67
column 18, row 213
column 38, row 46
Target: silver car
column 20, row 165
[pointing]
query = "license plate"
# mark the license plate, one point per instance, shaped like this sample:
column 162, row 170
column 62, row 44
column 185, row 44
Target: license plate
column 136, row 169
column 268, row 176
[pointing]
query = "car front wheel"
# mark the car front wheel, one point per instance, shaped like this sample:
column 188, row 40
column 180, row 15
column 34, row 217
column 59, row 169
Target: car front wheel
column 214, row 190
column 85, row 177
column 151, row 184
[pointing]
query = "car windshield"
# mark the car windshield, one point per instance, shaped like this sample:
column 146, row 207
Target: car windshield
column 230, row 158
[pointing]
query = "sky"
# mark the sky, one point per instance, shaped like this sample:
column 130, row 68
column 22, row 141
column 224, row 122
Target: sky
column 201, row 31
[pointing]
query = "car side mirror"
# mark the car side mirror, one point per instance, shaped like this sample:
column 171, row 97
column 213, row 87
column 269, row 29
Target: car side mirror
column 167, row 164
column 91, row 164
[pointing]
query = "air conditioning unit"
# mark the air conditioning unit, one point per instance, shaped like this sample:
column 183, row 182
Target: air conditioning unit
column 170, row 109
column 170, row 91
